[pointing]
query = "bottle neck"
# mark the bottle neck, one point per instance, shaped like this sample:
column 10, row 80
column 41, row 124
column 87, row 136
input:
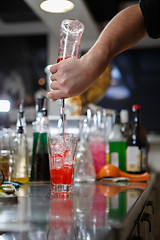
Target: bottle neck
column 38, row 116
column 136, row 117
column 21, row 122
column 136, row 123
column 117, row 118
column 44, row 124
column 20, row 130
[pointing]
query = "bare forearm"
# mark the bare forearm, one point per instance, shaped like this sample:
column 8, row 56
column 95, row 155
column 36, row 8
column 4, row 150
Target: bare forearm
column 122, row 32
column 73, row 76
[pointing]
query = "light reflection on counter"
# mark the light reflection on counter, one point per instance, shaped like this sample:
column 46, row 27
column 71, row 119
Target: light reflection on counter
column 89, row 213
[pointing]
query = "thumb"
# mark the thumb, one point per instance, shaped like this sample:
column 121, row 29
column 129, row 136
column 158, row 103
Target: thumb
column 54, row 68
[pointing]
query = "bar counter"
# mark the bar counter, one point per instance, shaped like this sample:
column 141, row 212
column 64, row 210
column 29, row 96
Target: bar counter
column 95, row 211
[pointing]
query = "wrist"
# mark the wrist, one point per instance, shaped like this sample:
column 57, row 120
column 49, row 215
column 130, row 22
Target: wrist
column 94, row 62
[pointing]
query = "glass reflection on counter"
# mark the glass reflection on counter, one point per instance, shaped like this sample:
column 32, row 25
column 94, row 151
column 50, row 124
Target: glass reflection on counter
column 83, row 204
column 89, row 213
column 78, row 216
column 61, row 223
column 91, row 210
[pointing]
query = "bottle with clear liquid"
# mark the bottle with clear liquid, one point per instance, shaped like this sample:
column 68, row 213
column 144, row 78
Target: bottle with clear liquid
column 137, row 145
column 117, row 145
column 20, row 167
column 36, row 133
column 84, row 168
column 42, row 159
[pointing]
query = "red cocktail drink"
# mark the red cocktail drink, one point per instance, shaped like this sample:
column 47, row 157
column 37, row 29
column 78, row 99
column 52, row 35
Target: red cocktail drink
column 63, row 174
column 62, row 162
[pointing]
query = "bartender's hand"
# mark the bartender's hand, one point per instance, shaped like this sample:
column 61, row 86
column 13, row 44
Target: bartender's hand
column 70, row 77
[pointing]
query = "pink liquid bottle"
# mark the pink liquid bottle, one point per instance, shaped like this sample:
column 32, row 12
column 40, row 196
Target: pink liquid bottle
column 98, row 143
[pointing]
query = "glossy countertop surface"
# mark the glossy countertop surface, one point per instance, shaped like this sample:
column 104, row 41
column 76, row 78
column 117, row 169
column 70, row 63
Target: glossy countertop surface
column 93, row 211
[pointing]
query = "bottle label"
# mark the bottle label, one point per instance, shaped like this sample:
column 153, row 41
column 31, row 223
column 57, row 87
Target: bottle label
column 133, row 159
column 115, row 159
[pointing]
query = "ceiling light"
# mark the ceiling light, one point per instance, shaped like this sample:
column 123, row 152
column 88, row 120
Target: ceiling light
column 56, row 6
column 4, row 106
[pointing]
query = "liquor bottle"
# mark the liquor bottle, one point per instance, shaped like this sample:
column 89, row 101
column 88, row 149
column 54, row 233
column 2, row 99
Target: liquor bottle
column 20, row 166
column 84, row 168
column 117, row 144
column 97, row 143
column 124, row 119
column 137, row 145
column 42, row 159
column 36, row 132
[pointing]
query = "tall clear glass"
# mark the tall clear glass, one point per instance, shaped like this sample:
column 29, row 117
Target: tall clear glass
column 62, row 162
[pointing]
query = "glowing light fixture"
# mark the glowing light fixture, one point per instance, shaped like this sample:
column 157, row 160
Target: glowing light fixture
column 56, row 6
column 4, row 106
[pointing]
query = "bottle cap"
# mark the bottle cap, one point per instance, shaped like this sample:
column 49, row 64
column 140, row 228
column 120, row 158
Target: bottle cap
column 124, row 116
column 136, row 107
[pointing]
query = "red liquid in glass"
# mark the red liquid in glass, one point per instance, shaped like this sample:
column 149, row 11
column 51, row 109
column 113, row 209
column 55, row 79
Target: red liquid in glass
column 60, row 59
column 63, row 174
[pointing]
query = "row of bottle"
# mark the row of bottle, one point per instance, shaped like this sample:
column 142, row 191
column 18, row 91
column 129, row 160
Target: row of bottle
column 37, row 169
column 128, row 146
column 109, row 142
column 118, row 142
column 91, row 149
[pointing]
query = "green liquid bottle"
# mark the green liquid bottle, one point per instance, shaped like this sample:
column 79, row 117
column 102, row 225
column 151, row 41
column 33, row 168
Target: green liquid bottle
column 117, row 145
column 36, row 133
column 118, row 154
column 42, row 159
column 35, row 142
